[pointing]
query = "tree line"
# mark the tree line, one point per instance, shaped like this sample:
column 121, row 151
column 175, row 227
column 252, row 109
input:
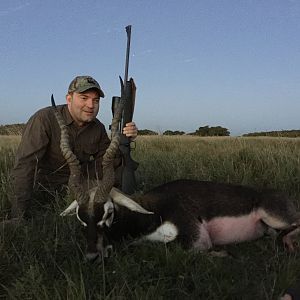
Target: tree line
column 201, row 131
column 17, row 129
column 14, row 129
column 282, row 133
column 221, row 131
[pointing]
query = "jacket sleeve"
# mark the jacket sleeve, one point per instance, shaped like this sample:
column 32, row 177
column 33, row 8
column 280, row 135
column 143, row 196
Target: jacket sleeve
column 32, row 148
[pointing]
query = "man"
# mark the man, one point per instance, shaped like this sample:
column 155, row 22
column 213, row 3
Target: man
column 39, row 163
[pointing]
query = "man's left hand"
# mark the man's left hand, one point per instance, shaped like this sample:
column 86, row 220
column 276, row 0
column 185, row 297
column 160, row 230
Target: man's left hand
column 130, row 130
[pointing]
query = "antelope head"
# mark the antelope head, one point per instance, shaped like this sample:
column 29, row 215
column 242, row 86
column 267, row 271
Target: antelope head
column 95, row 200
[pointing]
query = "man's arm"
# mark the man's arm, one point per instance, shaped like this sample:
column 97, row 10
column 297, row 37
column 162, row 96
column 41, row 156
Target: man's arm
column 32, row 148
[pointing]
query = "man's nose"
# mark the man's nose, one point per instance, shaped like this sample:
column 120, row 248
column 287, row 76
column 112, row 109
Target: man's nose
column 90, row 103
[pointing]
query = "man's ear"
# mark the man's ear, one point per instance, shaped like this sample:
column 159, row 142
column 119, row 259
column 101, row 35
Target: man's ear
column 68, row 98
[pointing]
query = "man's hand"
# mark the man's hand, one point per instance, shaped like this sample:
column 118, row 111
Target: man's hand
column 130, row 130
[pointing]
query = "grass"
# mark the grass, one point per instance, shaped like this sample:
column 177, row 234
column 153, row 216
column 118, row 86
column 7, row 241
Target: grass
column 263, row 162
column 9, row 141
column 44, row 259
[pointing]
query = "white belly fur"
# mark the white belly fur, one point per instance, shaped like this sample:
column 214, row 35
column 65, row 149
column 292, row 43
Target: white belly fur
column 224, row 230
column 165, row 233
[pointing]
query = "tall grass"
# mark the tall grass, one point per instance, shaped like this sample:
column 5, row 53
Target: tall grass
column 44, row 258
column 8, row 145
column 262, row 162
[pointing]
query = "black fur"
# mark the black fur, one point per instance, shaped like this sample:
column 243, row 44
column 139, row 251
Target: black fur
column 186, row 203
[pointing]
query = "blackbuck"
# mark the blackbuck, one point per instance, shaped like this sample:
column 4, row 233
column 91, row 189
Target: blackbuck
column 197, row 214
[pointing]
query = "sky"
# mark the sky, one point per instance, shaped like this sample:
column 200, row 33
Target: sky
column 229, row 63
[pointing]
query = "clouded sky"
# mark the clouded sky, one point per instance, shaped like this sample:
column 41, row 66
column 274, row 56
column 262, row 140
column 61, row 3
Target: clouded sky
column 195, row 62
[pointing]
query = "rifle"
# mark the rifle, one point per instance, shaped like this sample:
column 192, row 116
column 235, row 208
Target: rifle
column 128, row 91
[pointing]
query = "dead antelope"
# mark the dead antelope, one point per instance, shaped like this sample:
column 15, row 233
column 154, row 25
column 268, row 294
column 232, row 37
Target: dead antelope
column 198, row 214
column 93, row 205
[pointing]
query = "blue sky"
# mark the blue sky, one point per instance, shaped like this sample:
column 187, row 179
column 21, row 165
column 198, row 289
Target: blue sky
column 230, row 63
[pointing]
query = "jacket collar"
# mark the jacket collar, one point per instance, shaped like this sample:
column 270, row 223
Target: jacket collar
column 66, row 114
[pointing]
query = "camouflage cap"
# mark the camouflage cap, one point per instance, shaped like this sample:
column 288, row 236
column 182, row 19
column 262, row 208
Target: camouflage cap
column 81, row 84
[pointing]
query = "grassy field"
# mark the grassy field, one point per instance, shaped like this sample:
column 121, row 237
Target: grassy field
column 44, row 259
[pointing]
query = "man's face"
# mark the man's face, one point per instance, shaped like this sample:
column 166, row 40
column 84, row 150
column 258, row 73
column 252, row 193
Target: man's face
column 83, row 107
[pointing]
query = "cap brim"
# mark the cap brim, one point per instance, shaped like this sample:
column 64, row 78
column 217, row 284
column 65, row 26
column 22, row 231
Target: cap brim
column 101, row 94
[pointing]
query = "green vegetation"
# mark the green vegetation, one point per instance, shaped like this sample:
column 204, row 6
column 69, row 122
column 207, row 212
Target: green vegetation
column 282, row 133
column 14, row 129
column 147, row 132
column 171, row 132
column 44, row 259
column 211, row 131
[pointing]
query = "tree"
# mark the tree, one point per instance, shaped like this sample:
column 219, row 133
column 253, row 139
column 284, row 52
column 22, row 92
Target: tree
column 12, row 129
column 146, row 132
column 281, row 133
column 170, row 132
column 211, row 131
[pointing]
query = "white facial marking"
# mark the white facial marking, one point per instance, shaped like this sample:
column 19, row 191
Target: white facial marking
column 108, row 216
column 82, row 223
column 165, row 233
column 92, row 193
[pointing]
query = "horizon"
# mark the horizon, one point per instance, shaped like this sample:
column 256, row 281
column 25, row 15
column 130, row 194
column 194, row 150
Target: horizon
column 191, row 132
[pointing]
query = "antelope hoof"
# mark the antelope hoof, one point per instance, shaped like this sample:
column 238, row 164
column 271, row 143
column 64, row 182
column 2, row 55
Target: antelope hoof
column 290, row 244
column 290, row 236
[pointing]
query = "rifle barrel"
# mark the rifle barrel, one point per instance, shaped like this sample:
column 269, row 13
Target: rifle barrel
column 128, row 30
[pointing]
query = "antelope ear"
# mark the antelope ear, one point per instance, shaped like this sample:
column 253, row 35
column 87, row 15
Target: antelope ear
column 70, row 210
column 119, row 198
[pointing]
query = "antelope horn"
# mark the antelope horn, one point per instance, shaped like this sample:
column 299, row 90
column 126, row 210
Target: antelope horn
column 73, row 163
column 108, row 178
column 121, row 199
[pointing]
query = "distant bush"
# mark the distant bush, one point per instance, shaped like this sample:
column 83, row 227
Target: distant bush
column 176, row 132
column 13, row 129
column 282, row 133
column 147, row 132
column 211, row 131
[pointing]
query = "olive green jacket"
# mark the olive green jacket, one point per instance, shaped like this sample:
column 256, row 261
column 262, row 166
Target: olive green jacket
column 39, row 164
